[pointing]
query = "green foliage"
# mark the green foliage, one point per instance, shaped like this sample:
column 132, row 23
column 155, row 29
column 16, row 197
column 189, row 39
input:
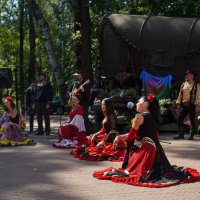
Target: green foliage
column 164, row 103
column 60, row 17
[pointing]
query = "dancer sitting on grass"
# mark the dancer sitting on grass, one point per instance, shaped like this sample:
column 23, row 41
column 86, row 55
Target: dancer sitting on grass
column 100, row 145
column 148, row 165
column 73, row 133
column 12, row 124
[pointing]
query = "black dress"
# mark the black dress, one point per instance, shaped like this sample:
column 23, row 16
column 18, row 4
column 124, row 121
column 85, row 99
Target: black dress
column 147, row 164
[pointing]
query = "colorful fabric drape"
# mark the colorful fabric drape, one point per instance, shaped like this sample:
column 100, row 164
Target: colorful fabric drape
column 159, row 86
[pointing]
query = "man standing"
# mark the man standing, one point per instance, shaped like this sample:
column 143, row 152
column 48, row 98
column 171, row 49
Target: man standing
column 188, row 100
column 83, row 88
column 30, row 103
column 43, row 99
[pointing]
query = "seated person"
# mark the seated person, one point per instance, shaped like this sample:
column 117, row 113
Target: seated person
column 100, row 145
column 147, row 165
column 73, row 133
column 12, row 123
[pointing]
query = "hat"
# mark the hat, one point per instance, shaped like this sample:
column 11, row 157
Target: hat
column 78, row 72
column 188, row 71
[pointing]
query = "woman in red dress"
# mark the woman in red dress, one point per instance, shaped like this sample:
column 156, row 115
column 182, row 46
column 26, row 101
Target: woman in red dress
column 100, row 145
column 147, row 165
column 73, row 133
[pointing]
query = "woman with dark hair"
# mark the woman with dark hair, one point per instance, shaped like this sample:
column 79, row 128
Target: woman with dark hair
column 146, row 164
column 73, row 133
column 12, row 123
column 100, row 145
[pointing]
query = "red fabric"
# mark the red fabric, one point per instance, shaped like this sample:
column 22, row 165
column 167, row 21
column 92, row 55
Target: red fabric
column 132, row 135
column 97, row 154
column 142, row 161
column 78, row 111
column 67, row 132
column 70, row 131
column 81, row 137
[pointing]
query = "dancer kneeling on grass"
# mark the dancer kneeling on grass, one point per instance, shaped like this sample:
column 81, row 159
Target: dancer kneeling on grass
column 100, row 145
column 73, row 133
column 12, row 124
column 148, row 165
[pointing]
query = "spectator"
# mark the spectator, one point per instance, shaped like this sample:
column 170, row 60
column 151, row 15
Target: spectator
column 43, row 99
column 30, row 103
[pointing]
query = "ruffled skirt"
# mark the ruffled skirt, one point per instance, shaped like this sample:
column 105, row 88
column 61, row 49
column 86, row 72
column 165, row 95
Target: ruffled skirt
column 149, row 167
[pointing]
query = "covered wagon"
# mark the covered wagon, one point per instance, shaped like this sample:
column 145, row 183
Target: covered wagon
column 159, row 45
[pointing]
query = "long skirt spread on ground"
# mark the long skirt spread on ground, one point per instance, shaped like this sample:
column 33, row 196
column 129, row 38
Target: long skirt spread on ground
column 148, row 166
column 92, row 153
column 72, row 134
column 71, row 137
column 13, row 137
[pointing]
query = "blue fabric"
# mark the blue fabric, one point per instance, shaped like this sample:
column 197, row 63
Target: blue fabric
column 159, row 86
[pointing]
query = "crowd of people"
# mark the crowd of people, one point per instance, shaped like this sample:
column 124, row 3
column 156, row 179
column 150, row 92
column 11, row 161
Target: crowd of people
column 144, row 162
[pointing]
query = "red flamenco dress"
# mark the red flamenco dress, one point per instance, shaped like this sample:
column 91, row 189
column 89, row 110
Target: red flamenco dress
column 72, row 134
column 105, row 136
column 145, row 163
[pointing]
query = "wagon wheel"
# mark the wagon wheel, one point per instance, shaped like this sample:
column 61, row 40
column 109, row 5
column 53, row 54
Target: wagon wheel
column 175, row 90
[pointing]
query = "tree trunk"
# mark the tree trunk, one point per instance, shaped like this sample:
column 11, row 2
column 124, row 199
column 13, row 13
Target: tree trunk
column 49, row 45
column 21, row 52
column 31, row 69
column 77, row 27
column 83, row 48
column 86, row 39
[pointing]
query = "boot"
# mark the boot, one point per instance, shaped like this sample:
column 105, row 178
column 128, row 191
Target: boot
column 190, row 136
column 179, row 136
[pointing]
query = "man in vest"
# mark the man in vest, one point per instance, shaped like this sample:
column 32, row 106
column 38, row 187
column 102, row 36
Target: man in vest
column 188, row 100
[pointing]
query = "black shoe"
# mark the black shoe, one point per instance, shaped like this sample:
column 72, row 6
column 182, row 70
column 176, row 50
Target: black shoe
column 115, row 172
column 190, row 137
column 180, row 136
column 39, row 133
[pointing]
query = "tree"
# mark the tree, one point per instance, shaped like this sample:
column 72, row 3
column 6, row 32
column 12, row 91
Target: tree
column 31, row 69
column 83, row 47
column 57, row 71
column 21, row 52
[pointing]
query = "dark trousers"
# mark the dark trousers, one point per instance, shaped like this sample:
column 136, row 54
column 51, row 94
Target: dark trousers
column 42, row 111
column 86, row 120
column 31, row 119
column 184, row 111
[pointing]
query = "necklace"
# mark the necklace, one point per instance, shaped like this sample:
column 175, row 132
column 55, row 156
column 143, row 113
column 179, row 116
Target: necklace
column 75, row 107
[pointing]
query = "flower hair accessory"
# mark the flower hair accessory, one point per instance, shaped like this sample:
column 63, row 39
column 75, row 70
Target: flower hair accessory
column 151, row 97
column 8, row 98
